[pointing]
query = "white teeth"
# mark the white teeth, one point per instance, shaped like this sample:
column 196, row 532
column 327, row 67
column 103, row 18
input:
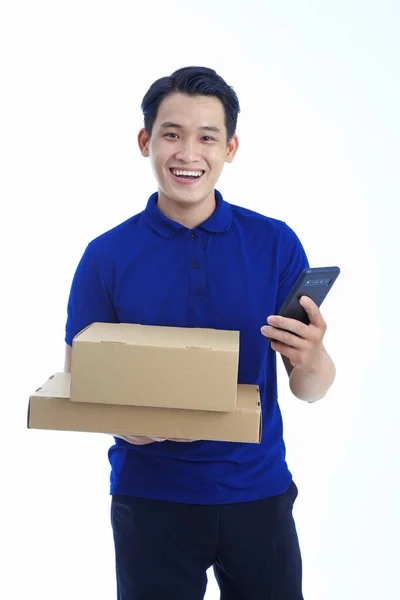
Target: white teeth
column 187, row 173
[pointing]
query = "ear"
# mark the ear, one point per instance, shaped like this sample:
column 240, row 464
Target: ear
column 232, row 148
column 143, row 141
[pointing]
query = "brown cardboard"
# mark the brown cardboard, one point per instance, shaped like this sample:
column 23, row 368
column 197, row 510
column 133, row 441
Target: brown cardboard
column 51, row 408
column 165, row 367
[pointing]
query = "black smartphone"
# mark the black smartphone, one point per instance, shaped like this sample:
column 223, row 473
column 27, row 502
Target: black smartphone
column 315, row 283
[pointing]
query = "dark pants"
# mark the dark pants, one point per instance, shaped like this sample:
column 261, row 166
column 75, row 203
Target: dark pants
column 163, row 549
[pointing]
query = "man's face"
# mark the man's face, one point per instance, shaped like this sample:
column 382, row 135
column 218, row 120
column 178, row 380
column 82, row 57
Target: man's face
column 188, row 147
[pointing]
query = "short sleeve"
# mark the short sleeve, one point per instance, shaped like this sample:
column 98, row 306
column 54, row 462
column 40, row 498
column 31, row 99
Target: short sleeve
column 90, row 298
column 293, row 260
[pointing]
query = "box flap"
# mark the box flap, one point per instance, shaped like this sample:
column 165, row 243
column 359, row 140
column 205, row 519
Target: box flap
column 167, row 337
column 57, row 386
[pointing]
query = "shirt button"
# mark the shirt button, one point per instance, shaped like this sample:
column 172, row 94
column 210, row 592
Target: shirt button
column 193, row 234
column 195, row 264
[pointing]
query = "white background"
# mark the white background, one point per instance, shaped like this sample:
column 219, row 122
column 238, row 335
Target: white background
column 319, row 87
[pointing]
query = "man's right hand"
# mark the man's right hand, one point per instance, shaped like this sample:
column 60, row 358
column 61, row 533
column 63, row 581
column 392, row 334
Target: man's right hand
column 141, row 440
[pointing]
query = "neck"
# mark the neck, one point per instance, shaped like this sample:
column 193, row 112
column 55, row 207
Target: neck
column 187, row 214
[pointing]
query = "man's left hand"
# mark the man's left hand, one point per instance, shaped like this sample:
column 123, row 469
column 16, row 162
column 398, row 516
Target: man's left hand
column 300, row 343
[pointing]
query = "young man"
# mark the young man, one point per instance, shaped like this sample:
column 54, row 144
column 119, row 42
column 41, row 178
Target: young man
column 190, row 259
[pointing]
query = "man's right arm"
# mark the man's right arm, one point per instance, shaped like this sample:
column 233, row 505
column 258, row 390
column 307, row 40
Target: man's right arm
column 90, row 302
column 87, row 292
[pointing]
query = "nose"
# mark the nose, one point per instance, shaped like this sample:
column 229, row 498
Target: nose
column 188, row 151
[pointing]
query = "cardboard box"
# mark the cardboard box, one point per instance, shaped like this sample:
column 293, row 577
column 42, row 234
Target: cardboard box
column 51, row 408
column 165, row 367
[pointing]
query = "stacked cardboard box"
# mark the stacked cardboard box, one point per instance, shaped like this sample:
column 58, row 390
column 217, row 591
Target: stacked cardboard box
column 167, row 382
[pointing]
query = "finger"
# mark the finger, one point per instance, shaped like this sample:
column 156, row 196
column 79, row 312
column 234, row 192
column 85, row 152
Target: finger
column 285, row 337
column 313, row 312
column 137, row 440
column 293, row 325
column 291, row 353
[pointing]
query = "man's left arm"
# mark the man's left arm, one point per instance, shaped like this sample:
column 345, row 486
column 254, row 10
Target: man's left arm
column 310, row 368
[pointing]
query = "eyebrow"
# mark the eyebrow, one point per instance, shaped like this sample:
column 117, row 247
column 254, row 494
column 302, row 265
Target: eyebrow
column 170, row 125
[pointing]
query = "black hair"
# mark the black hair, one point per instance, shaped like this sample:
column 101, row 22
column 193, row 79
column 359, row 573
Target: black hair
column 192, row 81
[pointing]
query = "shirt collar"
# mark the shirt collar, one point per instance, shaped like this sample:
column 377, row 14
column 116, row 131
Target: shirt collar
column 219, row 222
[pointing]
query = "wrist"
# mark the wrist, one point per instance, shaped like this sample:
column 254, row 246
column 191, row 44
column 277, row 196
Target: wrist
column 316, row 364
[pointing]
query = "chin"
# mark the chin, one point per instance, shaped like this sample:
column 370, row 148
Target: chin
column 185, row 195
column 185, row 198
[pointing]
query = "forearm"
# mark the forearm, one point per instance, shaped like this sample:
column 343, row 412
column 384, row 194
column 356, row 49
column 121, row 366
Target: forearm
column 313, row 385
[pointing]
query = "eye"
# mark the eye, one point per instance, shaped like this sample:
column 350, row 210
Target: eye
column 208, row 138
column 169, row 134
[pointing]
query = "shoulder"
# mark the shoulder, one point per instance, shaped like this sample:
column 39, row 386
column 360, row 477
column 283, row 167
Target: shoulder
column 260, row 223
column 274, row 238
column 116, row 238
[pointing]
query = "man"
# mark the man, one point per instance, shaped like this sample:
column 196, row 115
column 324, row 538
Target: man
column 190, row 259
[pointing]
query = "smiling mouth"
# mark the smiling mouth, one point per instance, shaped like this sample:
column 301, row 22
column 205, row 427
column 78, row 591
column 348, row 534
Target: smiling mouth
column 187, row 176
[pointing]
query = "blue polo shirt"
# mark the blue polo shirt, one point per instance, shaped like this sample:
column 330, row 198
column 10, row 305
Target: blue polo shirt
column 231, row 272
